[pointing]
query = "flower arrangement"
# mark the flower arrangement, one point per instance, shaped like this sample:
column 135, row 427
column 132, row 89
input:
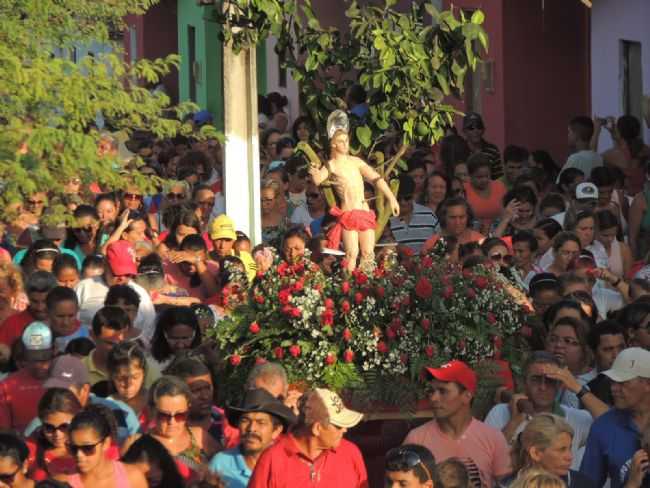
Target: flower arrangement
column 352, row 329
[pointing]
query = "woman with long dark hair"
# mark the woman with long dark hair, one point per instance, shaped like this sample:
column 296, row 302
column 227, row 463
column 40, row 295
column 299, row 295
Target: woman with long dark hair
column 177, row 331
column 153, row 459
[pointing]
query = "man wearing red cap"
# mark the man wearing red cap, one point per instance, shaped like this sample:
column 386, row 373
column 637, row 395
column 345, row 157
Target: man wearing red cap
column 120, row 270
column 454, row 432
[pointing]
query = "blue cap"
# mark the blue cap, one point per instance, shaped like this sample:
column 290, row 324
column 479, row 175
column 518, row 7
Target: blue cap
column 202, row 117
column 37, row 339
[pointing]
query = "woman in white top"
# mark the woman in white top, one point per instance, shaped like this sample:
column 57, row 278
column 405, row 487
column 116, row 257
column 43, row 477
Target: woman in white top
column 619, row 254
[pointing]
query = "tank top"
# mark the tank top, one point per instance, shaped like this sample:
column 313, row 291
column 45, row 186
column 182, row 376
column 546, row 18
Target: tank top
column 616, row 259
column 119, row 473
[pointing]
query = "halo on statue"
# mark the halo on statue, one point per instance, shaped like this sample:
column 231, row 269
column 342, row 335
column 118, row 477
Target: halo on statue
column 337, row 120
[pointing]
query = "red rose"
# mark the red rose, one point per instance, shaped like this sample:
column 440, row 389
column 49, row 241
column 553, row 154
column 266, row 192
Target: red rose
column 298, row 285
column 382, row 347
column 380, row 291
column 329, row 303
column 448, row 292
column 254, row 328
column 330, row 359
column 287, row 310
column 284, row 296
column 481, row 282
column 294, row 350
column 235, row 359
column 260, row 361
column 491, row 318
column 259, row 299
column 378, row 272
column 282, row 268
column 429, row 351
column 348, row 356
column 317, row 287
column 467, row 273
column 360, row 278
column 347, row 335
column 423, row 288
column 345, row 287
column 390, row 333
column 296, row 312
column 426, row 262
column 426, row 324
column 345, row 306
column 358, row 298
column 327, row 317
column 278, row 352
column 471, row 294
column 298, row 268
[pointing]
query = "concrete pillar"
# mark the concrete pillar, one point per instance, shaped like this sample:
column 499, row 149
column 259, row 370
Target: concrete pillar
column 241, row 153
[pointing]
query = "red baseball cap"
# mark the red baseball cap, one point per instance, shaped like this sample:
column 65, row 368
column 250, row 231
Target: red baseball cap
column 120, row 257
column 456, row 371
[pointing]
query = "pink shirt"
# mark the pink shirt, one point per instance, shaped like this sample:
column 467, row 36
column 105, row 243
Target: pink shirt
column 482, row 448
column 174, row 276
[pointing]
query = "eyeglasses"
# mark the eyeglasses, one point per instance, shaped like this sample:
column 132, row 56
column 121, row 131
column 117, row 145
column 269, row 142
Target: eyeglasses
column 404, row 459
column 8, row 479
column 50, row 429
column 167, row 417
column 132, row 196
column 540, row 379
column 87, row 449
column 186, row 339
column 567, row 341
column 175, row 196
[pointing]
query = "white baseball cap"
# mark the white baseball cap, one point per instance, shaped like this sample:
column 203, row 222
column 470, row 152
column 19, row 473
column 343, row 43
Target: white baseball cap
column 586, row 190
column 633, row 362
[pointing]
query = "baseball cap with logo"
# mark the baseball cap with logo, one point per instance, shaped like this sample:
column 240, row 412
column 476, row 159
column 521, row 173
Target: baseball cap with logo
column 120, row 257
column 67, row 371
column 37, row 339
column 586, row 190
column 633, row 362
column 320, row 405
column 222, row 227
column 456, row 371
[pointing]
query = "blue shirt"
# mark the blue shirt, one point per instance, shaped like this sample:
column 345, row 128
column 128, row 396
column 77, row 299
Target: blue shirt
column 612, row 441
column 232, row 468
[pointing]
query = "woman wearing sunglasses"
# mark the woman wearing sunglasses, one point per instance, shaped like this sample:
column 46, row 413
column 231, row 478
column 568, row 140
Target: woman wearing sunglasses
column 50, row 455
column 169, row 402
column 13, row 462
column 91, row 435
column 410, row 465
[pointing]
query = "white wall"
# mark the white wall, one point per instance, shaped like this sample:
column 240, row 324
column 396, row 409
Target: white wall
column 611, row 22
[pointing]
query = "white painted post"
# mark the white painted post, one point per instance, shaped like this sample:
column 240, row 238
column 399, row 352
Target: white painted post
column 241, row 153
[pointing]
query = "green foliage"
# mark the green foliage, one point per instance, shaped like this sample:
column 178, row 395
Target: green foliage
column 50, row 102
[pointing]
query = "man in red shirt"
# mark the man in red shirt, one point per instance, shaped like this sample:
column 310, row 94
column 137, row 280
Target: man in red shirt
column 37, row 287
column 21, row 391
column 314, row 454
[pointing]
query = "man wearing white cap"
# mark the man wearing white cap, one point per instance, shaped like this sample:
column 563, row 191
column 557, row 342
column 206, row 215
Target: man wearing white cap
column 613, row 444
column 314, row 453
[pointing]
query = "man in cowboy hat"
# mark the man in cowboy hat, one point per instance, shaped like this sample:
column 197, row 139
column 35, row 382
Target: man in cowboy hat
column 261, row 419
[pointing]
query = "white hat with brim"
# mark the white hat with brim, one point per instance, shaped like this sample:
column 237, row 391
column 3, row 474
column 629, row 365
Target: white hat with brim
column 631, row 363
column 339, row 414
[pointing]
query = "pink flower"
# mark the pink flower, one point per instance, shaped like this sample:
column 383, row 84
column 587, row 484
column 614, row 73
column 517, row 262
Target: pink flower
column 235, row 359
column 254, row 328
column 294, row 350
column 348, row 356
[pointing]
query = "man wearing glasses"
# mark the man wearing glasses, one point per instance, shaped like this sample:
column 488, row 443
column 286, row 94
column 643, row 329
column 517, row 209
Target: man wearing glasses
column 455, row 433
column 540, row 395
column 473, row 129
column 410, row 466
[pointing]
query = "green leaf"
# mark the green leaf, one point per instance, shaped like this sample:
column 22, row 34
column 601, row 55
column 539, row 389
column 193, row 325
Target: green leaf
column 364, row 135
column 432, row 11
column 478, row 17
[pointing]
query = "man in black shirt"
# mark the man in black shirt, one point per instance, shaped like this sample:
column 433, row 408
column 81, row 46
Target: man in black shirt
column 473, row 129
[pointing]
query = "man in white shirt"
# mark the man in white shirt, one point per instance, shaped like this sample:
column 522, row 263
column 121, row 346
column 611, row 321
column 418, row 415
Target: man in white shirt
column 120, row 270
column 581, row 130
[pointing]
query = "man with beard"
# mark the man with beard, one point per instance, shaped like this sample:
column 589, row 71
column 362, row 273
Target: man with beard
column 261, row 419
column 454, row 432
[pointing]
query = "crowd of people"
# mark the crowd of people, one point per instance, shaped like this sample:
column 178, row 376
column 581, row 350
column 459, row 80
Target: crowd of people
column 110, row 377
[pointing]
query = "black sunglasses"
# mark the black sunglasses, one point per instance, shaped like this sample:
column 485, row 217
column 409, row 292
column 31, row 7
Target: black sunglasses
column 8, row 479
column 178, row 417
column 87, row 449
column 51, row 429
column 403, row 459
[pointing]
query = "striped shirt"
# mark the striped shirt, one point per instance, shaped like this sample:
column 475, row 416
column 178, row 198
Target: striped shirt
column 423, row 224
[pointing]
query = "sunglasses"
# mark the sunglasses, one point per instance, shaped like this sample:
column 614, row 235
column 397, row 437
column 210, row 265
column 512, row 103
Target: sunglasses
column 403, row 459
column 8, row 479
column 87, row 449
column 177, row 417
column 132, row 196
column 51, row 429
column 175, row 196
